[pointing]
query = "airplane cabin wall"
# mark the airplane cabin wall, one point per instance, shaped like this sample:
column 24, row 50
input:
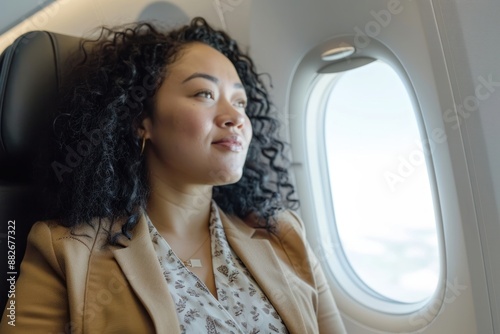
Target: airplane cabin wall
column 428, row 39
column 472, row 48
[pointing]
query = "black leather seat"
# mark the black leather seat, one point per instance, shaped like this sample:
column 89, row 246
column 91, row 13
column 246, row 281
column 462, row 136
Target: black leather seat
column 31, row 75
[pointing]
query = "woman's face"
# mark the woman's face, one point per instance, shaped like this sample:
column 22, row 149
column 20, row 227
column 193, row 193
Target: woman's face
column 199, row 132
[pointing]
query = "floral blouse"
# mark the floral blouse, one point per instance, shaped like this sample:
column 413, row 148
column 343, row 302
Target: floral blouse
column 240, row 307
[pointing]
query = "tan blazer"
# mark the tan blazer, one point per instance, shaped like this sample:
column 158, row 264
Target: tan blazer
column 77, row 283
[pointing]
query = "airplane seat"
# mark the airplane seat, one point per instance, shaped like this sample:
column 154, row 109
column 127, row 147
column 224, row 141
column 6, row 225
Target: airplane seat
column 31, row 73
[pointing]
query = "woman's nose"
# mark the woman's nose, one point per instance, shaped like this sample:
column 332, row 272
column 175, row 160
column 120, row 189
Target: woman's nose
column 230, row 116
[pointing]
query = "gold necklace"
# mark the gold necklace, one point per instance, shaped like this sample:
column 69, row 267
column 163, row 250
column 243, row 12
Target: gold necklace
column 194, row 263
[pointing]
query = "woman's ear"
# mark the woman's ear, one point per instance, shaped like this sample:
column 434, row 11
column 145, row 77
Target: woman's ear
column 144, row 128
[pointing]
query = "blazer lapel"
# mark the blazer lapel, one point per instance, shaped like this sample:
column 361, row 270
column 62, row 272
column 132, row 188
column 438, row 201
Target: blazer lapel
column 139, row 263
column 262, row 262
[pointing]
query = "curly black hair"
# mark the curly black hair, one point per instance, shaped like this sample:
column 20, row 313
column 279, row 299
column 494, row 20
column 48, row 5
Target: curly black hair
column 99, row 170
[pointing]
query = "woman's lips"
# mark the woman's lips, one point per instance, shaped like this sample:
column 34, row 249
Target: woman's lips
column 231, row 143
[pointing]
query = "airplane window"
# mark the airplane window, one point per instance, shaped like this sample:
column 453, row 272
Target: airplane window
column 379, row 183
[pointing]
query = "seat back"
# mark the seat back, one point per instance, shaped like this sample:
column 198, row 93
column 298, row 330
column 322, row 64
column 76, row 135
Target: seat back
column 31, row 74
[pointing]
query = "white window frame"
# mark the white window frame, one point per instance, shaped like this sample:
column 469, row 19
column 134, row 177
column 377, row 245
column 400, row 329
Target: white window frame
column 307, row 95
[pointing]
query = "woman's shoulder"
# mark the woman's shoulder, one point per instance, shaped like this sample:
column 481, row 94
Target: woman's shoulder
column 284, row 225
column 288, row 222
column 51, row 234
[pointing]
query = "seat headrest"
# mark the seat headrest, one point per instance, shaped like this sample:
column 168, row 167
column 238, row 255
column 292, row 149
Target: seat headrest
column 30, row 78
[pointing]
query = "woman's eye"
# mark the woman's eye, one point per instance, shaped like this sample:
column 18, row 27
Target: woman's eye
column 241, row 104
column 206, row 94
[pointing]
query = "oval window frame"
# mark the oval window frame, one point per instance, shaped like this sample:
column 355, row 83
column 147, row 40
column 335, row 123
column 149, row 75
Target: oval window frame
column 377, row 311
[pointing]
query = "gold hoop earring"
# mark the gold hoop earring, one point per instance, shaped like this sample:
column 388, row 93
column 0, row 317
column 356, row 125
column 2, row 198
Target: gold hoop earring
column 143, row 144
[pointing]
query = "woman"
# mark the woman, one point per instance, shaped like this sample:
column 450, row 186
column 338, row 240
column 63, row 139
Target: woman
column 173, row 220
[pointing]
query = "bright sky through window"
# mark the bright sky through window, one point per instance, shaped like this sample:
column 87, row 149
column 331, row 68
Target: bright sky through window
column 380, row 184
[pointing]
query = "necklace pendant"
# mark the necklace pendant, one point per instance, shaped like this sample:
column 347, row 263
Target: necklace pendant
column 193, row 263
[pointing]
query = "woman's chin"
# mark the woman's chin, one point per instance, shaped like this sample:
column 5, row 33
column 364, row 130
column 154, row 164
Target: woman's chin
column 222, row 178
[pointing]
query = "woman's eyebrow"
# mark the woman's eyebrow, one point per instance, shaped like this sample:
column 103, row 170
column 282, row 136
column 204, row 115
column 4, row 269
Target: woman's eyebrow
column 202, row 75
column 210, row 78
